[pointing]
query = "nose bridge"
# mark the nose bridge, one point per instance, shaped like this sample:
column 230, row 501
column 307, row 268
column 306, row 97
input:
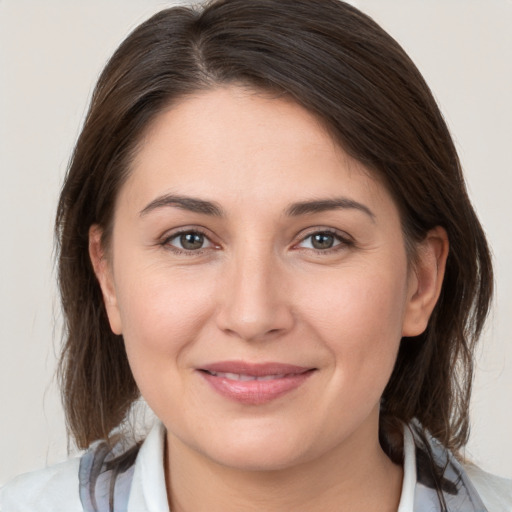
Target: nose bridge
column 255, row 305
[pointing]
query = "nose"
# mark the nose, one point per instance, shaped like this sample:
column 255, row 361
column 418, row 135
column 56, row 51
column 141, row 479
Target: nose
column 256, row 301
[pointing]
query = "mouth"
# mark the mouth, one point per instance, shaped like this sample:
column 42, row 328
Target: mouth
column 245, row 377
column 254, row 384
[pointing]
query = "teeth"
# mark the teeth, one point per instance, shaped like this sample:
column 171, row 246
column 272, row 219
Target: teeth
column 271, row 377
column 245, row 378
column 230, row 376
column 241, row 377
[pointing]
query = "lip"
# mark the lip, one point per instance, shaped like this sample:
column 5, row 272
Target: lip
column 260, row 382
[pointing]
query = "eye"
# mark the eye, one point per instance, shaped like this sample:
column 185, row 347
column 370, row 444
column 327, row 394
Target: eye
column 189, row 241
column 323, row 241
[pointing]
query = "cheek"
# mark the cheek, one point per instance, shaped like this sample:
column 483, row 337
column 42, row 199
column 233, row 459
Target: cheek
column 359, row 317
column 162, row 313
column 356, row 301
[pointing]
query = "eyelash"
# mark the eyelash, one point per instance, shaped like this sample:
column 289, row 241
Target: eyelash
column 344, row 241
column 196, row 231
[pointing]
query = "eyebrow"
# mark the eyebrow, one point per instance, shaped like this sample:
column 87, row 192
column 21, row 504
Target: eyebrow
column 204, row 207
column 191, row 204
column 322, row 205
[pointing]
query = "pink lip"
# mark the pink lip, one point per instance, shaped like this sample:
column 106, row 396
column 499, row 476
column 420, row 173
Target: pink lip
column 254, row 392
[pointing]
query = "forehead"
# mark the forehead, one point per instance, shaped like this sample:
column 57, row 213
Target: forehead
column 244, row 145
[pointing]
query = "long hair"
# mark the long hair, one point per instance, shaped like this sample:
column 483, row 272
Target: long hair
column 341, row 66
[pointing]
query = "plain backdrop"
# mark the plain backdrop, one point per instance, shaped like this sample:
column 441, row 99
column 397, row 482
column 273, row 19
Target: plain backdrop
column 51, row 53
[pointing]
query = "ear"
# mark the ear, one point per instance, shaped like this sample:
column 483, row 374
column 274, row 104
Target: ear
column 425, row 281
column 103, row 270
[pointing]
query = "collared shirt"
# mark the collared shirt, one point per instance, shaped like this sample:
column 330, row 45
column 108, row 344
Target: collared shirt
column 66, row 487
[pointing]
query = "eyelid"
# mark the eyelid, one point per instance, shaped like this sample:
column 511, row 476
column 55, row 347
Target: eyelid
column 177, row 232
column 344, row 239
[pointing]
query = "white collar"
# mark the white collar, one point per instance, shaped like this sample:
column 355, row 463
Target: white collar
column 148, row 491
column 409, row 481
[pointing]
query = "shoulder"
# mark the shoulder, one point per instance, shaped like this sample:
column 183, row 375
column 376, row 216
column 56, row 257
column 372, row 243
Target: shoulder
column 496, row 492
column 53, row 489
column 103, row 472
column 464, row 485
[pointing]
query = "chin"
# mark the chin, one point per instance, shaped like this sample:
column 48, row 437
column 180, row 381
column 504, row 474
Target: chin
column 256, row 451
column 257, row 459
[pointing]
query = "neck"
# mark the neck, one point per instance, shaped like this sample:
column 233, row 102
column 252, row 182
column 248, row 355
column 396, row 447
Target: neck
column 355, row 476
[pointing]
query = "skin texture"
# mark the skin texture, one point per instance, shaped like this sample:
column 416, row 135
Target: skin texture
column 258, row 291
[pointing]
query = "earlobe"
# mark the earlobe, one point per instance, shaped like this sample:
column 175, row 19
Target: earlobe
column 426, row 281
column 103, row 271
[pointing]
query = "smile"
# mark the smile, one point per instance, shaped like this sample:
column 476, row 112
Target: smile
column 254, row 384
column 246, row 378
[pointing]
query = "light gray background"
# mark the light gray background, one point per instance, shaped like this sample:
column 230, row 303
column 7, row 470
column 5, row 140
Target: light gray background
column 50, row 55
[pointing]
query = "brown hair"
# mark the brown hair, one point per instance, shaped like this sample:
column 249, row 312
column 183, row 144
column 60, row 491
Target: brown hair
column 341, row 66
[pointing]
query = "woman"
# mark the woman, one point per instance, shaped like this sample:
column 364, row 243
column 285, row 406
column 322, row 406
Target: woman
column 265, row 233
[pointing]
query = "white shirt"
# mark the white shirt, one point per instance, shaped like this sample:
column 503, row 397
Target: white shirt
column 56, row 489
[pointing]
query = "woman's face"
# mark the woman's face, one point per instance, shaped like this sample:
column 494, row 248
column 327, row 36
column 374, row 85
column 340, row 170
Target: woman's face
column 259, row 278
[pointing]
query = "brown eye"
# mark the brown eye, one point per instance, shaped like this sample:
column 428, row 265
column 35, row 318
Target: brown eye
column 325, row 240
column 322, row 240
column 189, row 241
